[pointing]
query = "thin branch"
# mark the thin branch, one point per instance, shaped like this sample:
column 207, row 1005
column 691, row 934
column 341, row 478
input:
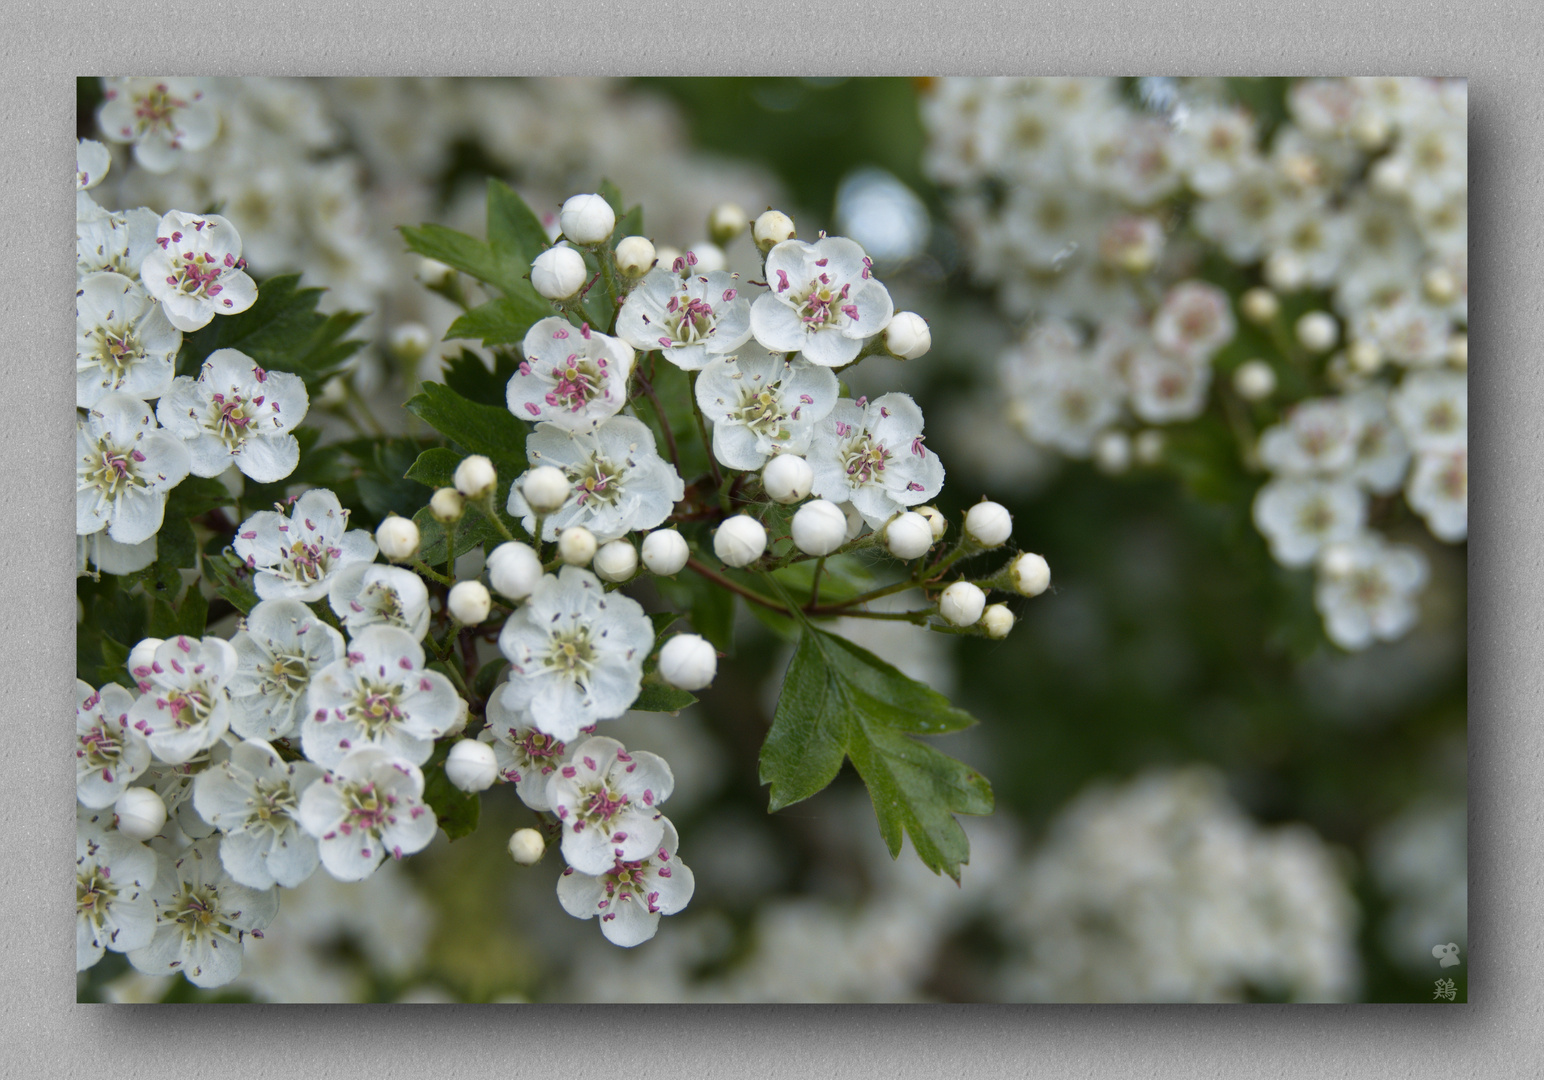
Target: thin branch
column 735, row 587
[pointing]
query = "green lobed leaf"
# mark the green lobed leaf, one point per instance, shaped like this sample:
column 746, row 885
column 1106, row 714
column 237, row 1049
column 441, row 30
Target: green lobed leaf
column 503, row 321
column 514, row 230
column 282, row 331
column 480, row 429
column 468, row 376
column 455, row 249
column 840, row 701
column 456, row 810
column 661, row 697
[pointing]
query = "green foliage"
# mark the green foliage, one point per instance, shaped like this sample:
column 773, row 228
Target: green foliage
column 282, row 331
column 503, row 321
column 711, row 608
column 479, row 429
column 467, row 375
column 456, row 810
column 658, row 696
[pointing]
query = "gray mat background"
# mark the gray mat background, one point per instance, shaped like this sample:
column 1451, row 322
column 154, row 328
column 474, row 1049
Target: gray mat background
column 44, row 1034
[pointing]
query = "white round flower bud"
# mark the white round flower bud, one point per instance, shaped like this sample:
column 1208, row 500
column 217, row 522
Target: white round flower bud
column 143, row 654
column 432, row 272
column 409, row 342
column 962, row 604
column 740, row 540
column 1285, row 272
column 587, row 219
column 997, row 620
column 635, row 256
column 616, row 561
column 1255, row 380
column 935, row 520
column 1318, row 331
column 1364, row 357
column 471, row 765
column 463, row 714
column 526, row 847
column 397, row 537
column 576, row 545
column 1148, row 446
column 476, row 476
column 908, row 536
column 688, row 662
column 1031, row 574
column 787, row 478
column 545, row 488
column 989, row 524
column 1370, row 130
column 1390, row 176
column 725, row 222
column 1440, row 285
column 1112, row 452
column 665, row 256
column 141, row 813
column 1337, row 560
column 907, row 336
column 704, row 257
column 1259, row 306
column 469, row 602
column 665, row 552
column 771, row 229
column 819, row 527
column 1458, row 350
column 447, row 504
column 558, row 273
column 514, row 569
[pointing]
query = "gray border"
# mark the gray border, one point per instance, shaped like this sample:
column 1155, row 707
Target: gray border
column 43, row 1033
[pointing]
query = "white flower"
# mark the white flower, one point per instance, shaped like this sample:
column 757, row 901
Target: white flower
column 398, row 538
column 870, row 453
column 1031, row 574
column 665, row 552
column 468, row 602
column 989, row 524
column 1059, row 397
column 607, row 800
column 635, row 255
column 1382, row 455
column 196, row 271
column 123, row 344
column 619, row 481
column 909, row 536
column 1194, row 321
column 113, row 879
column 140, row 813
column 173, row 784
column 253, row 799
column 962, row 604
column 1165, row 388
column 690, row 316
column 575, row 379
column 110, row 557
column 182, row 708
column 1372, row 594
column 112, row 242
column 514, row 569
column 363, row 594
column 235, row 413
column 296, row 555
column 377, row 695
column 92, row 160
column 526, row 756
column 1319, row 436
column 1215, row 146
column 787, row 478
column 616, row 561
column 202, row 915
column 1132, row 157
column 908, row 336
column 369, row 807
column 763, row 405
column 576, row 653
column 822, row 301
column 1300, row 516
column 1432, row 407
column 475, row 477
column 472, row 765
column 124, row 466
column 280, row 647
column 162, row 118
column 545, row 488
column 1438, row 490
column 109, row 753
column 631, row 896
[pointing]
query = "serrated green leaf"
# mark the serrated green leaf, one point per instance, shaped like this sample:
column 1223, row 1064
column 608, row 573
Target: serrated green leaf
column 456, row 810
column 514, row 230
column 840, row 701
column 661, row 697
column 435, row 467
column 487, row 677
column 468, row 376
column 503, row 321
column 456, row 249
column 480, row 429
column 193, row 613
column 282, row 331
column 163, row 619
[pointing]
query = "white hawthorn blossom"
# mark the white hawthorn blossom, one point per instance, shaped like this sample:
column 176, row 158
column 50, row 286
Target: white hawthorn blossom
column 1166, row 389
column 369, row 807
column 183, row 707
column 1194, row 321
column 113, row 879
column 378, row 694
column 576, row 653
column 280, row 647
column 1062, row 397
column 573, row 378
column 630, row 896
column 124, row 466
column 871, row 454
column 1300, row 517
column 174, row 784
column 115, row 242
column 109, row 752
column 618, row 481
column 235, row 413
column 1215, row 145
column 1319, row 437
column 92, row 160
column 123, row 343
column 1382, row 455
column 822, row 300
column 1371, row 595
column 253, row 798
column 1438, row 490
column 106, row 555
column 196, row 270
column 526, row 755
column 162, row 118
column 363, row 594
column 762, row 405
column 608, row 802
column 297, row 555
column 690, row 316
column 1432, row 408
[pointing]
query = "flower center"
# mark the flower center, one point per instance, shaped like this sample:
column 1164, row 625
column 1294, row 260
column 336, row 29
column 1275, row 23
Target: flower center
column 189, row 707
column 689, row 320
column 287, row 676
column 628, row 881
column 156, row 109
column 101, row 749
column 579, row 380
column 598, row 479
column 111, row 470
column 307, row 562
column 231, row 416
column 94, row 893
column 1316, row 517
column 197, row 909
column 602, row 805
column 376, row 707
column 367, row 809
column 274, row 805
column 823, row 305
column 863, row 459
column 117, row 349
column 571, row 653
column 1369, row 588
column 762, row 412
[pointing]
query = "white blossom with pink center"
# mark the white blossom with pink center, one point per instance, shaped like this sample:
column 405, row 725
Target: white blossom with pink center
column 296, row 555
column 280, row 647
column 1300, row 517
column 872, row 454
column 822, row 300
column 363, row 594
column 369, row 807
column 630, row 895
column 526, row 755
column 1194, row 321
column 112, row 241
column 196, row 270
column 762, row 405
column 162, row 118
column 183, row 707
column 253, row 798
column 123, row 343
column 690, row 316
column 572, row 377
column 1319, row 437
column 608, row 803
column 113, row 879
column 124, row 466
column 1438, row 490
column 1432, row 408
column 109, row 753
column 235, row 413
column 1372, row 594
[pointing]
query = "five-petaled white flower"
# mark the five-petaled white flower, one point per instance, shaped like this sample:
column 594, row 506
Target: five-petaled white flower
column 379, row 695
column 280, row 647
column 690, row 316
column 253, row 799
column 1432, row 407
column 1319, row 437
column 297, row 555
column 870, row 453
column 196, row 270
column 162, row 118
column 123, row 343
column 183, row 707
column 116, row 242
column 1194, row 321
column 1438, row 490
column 631, row 895
column 363, row 594
column 763, row 405
column 113, row 879
column 202, row 915
column 618, row 480
column 109, row 753
column 235, row 413
column 369, row 807
column 608, row 801
column 576, row 653
column 573, row 378
column 822, row 300
column 1371, row 595
column 1299, row 517
column 124, row 466
column 526, row 755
